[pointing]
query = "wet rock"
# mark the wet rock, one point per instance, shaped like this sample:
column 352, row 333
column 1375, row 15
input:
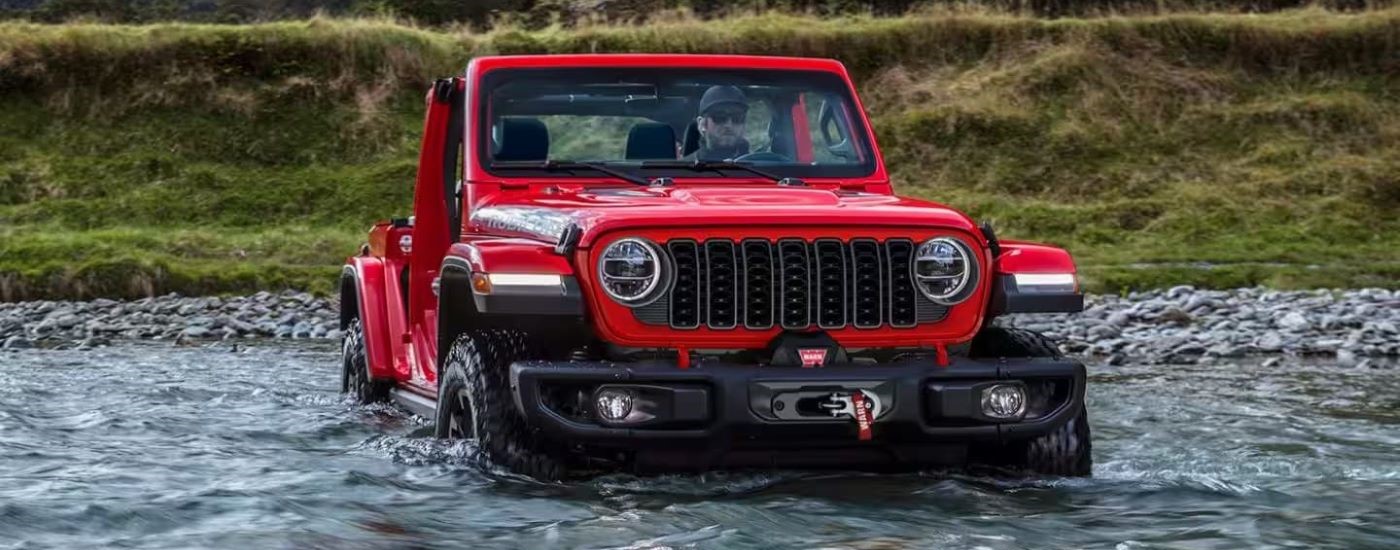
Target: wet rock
column 1179, row 291
column 195, row 332
column 1189, row 349
column 1270, row 342
column 94, row 342
column 1104, row 331
column 1227, row 350
column 1202, row 303
column 1293, row 321
column 1175, row 316
column 64, row 320
column 17, row 342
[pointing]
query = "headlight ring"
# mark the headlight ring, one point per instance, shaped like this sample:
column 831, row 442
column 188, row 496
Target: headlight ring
column 944, row 270
column 633, row 271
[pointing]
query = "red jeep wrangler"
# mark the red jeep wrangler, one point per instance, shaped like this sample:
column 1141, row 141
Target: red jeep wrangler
column 682, row 262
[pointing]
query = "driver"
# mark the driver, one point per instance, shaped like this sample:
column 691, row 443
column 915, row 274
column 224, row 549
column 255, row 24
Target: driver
column 721, row 124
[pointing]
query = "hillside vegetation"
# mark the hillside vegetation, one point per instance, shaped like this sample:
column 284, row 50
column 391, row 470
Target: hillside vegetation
column 1217, row 150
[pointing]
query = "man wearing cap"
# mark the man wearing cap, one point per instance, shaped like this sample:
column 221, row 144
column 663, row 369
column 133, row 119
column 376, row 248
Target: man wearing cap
column 721, row 124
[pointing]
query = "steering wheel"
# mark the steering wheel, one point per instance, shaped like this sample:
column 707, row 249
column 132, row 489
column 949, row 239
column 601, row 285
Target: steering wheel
column 762, row 156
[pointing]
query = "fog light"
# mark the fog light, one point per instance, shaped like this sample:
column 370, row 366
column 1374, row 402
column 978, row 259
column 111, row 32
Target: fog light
column 1004, row 401
column 613, row 404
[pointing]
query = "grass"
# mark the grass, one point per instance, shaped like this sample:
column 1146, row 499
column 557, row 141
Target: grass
column 1208, row 149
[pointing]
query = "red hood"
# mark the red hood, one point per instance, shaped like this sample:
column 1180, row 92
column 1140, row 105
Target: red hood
column 597, row 211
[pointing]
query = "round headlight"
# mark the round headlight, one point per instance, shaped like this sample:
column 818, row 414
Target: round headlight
column 632, row 271
column 942, row 269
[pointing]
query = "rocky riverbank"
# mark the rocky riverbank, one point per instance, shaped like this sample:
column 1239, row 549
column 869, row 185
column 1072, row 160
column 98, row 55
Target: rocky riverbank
column 1177, row 325
column 170, row 317
column 1185, row 325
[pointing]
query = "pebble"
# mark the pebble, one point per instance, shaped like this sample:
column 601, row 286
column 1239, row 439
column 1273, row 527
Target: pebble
column 1179, row 325
column 173, row 317
column 1184, row 324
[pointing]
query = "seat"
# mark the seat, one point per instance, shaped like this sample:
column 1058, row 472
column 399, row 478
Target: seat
column 523, row 138
column 651, row 141
column 692, row 139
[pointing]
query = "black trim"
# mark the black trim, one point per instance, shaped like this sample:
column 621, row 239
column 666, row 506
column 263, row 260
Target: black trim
column 348, row 273
column 566, row 301
column 992, row 243
column 917, row 405
column 835, row 84
column 442, row 89
column 1007, row 298
column 451, row 157
column 568, row 240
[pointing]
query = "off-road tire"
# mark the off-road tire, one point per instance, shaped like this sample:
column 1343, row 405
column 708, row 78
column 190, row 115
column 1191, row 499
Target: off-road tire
column 1066, row 451
column 475, row 401
column 354, row 368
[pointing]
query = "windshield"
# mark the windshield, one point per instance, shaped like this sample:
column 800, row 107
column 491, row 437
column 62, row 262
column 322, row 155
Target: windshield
column 643, row 120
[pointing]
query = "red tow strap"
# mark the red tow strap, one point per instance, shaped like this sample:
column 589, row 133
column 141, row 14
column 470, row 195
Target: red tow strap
column 862, row 415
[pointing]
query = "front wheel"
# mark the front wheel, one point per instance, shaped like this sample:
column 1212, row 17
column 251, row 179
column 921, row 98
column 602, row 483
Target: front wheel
column 354, row 368
column 475, row 402
column 1066, row 451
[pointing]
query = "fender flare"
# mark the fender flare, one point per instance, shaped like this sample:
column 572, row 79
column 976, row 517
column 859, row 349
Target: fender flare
column 461, row 308
column 362, row 280
column 1034, row 278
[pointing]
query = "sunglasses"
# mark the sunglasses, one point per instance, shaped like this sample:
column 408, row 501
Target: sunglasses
column 727, row 118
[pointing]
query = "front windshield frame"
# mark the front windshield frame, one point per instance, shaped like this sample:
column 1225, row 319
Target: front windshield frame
column 826, row 82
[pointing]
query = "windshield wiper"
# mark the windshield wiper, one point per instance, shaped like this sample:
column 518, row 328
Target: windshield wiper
column 711, row 165
column 552, row 165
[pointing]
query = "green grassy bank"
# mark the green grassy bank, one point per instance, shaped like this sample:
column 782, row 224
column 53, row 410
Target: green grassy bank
column 1217, row 150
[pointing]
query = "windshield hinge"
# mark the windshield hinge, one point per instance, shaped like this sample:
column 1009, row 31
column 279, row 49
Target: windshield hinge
column 792, row 182
column 663, row 182
column 443, row 88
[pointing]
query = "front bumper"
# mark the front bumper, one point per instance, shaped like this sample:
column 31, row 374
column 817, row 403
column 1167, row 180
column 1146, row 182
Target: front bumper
column 718, row 408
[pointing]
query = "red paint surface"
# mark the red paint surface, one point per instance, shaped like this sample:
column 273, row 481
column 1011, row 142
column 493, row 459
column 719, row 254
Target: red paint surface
column 615, row 323
column 510, row 255
column 697, row 207
column 1027, row 257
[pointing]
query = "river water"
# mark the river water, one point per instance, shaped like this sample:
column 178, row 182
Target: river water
column 153, row 446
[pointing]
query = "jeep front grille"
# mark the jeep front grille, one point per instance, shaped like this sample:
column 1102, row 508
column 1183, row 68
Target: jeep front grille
column 791, row 283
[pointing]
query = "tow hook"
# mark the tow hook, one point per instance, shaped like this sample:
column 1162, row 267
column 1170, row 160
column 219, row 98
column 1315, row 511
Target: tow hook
column 859, row 405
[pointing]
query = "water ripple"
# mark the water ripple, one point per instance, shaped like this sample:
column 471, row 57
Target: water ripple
column 152, row 446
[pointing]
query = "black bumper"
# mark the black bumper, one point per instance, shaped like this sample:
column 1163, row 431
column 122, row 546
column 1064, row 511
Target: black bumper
column 730, row 407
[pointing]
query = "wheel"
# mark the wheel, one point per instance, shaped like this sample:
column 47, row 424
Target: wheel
column 475, row 401
column 354, row 368
column 1066, row 451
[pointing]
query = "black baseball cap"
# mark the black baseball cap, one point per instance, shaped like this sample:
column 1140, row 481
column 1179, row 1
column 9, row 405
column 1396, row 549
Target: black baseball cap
column 717, row 95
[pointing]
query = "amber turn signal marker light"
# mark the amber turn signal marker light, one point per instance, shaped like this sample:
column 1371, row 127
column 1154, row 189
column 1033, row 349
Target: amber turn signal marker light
column 481, row 283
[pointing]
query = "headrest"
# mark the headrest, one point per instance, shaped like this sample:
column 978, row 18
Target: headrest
column 692, row 139
column 523, row 139
column 651, row 141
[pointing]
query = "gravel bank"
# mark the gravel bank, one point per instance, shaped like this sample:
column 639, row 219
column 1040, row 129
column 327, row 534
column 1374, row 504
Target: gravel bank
column 1185, row 325
column 170, row 317
column 1177, row 325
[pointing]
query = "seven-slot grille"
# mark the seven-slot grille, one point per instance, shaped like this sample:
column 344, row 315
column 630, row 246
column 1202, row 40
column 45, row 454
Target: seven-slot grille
column 791, row 283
